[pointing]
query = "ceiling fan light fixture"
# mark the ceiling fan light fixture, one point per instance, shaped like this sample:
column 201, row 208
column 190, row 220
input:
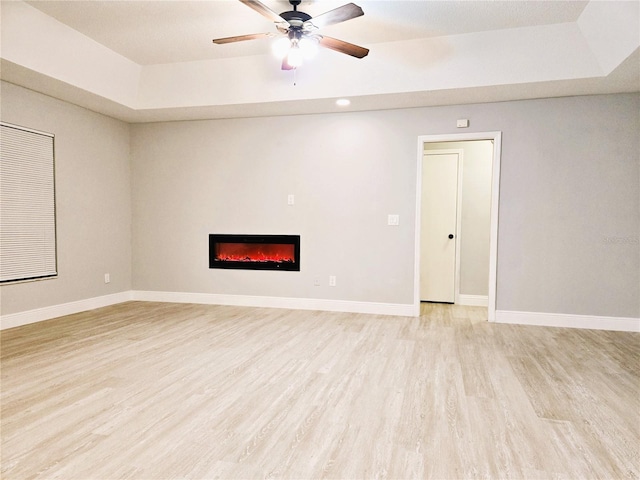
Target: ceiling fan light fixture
column 281, row 47
column 294, row 59
column 299, row 41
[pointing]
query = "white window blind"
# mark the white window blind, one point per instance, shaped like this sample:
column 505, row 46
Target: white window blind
column 27, row 205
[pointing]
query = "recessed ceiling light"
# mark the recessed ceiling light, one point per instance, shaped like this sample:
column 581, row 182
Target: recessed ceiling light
column 343, row 102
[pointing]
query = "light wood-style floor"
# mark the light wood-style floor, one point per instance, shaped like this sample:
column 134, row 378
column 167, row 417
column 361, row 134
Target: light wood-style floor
column 159, row 391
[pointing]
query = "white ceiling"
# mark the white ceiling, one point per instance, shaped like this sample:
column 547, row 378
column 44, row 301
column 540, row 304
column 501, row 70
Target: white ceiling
column 154, row 60
column 150, row 32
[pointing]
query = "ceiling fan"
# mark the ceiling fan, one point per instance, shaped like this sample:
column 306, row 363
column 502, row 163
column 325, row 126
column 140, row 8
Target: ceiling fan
column 300, row 38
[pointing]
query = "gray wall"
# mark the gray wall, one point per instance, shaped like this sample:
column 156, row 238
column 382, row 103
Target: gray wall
column 233, row 176
column 93, row 201
column 475, row 213
column 569, row 184
column 569, row 207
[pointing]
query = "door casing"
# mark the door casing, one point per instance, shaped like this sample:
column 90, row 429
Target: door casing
column 495, row 198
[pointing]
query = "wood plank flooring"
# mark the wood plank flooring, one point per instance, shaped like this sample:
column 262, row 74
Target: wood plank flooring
column 162, row 391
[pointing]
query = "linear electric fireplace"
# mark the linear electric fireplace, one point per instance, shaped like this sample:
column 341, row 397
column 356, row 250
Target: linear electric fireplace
column 255, row 252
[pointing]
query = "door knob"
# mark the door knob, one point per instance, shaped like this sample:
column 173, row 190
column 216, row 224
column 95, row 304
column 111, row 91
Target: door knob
column 451, row 235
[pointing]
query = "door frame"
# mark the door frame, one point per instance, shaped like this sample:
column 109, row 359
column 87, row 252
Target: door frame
column 495, row 197
column 460, row 153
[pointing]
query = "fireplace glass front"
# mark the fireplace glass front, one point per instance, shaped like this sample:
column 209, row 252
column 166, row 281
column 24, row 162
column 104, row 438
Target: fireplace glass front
column 255, row 252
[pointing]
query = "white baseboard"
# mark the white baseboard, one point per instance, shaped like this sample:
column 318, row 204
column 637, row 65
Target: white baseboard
column 473, row 300
column 47, row 313
column 625, row 324
column 398, row 309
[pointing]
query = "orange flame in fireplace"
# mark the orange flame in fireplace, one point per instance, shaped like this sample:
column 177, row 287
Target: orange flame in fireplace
column 255, row 252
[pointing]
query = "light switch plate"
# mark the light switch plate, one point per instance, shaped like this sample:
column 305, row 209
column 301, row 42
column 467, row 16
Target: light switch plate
column 393, row 220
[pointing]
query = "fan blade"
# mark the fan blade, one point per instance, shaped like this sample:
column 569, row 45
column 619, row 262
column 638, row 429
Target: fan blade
column 263, row 10
column 340, row 14
column 241, row 38
column 344, row 47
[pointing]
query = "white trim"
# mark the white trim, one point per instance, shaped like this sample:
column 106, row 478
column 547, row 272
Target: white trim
column 473, row 300
column 627, row 324
column 493, row 231
column 564, row 320
column 495, row 198
column 458, row 273
column 47, row 313
column 398, row 309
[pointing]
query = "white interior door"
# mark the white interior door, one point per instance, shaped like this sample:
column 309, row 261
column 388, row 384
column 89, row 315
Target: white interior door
column 439, row 211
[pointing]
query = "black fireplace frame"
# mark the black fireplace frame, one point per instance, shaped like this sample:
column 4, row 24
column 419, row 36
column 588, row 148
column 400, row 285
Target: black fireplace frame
column 293, row 266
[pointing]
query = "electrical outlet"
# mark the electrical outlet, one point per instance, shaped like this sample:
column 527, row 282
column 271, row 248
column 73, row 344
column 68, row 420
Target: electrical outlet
column 107, row 278
column 291, row 199
column 316, row 281
column 332, row 280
